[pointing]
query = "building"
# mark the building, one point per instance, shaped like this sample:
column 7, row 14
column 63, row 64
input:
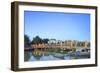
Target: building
column 54, row 41
column 70, row 43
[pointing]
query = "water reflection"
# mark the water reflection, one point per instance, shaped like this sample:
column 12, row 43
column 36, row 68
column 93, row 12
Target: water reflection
column 46, row 56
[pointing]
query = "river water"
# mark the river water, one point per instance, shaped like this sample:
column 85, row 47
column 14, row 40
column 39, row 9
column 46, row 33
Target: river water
column 29, row 56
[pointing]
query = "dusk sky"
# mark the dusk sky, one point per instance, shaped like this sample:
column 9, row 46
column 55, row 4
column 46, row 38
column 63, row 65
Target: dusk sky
column 57, row 25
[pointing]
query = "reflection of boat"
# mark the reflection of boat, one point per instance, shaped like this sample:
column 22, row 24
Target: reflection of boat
column 49, row 57
column 83, row 54
column 80, row 53
column 58, row 55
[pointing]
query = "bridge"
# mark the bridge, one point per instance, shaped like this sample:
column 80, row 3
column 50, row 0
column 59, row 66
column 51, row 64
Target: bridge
column 47, row 46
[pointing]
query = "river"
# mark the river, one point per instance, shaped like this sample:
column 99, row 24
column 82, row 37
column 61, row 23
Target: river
column 47, row 56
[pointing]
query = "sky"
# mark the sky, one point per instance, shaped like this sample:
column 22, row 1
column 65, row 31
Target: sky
column 57, row 25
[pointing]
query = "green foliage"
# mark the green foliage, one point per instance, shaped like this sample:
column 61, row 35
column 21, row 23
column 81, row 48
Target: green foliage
column 45, row 41
column 26, row 41
column 37, row 40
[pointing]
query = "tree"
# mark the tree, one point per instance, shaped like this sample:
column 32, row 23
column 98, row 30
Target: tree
column 26, row 41
column 37, row 40
column 45, row 41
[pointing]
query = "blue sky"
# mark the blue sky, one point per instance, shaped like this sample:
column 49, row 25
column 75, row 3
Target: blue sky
column 57, row 25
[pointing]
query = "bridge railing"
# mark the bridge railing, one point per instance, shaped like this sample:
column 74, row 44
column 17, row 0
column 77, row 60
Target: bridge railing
column 58, row 46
